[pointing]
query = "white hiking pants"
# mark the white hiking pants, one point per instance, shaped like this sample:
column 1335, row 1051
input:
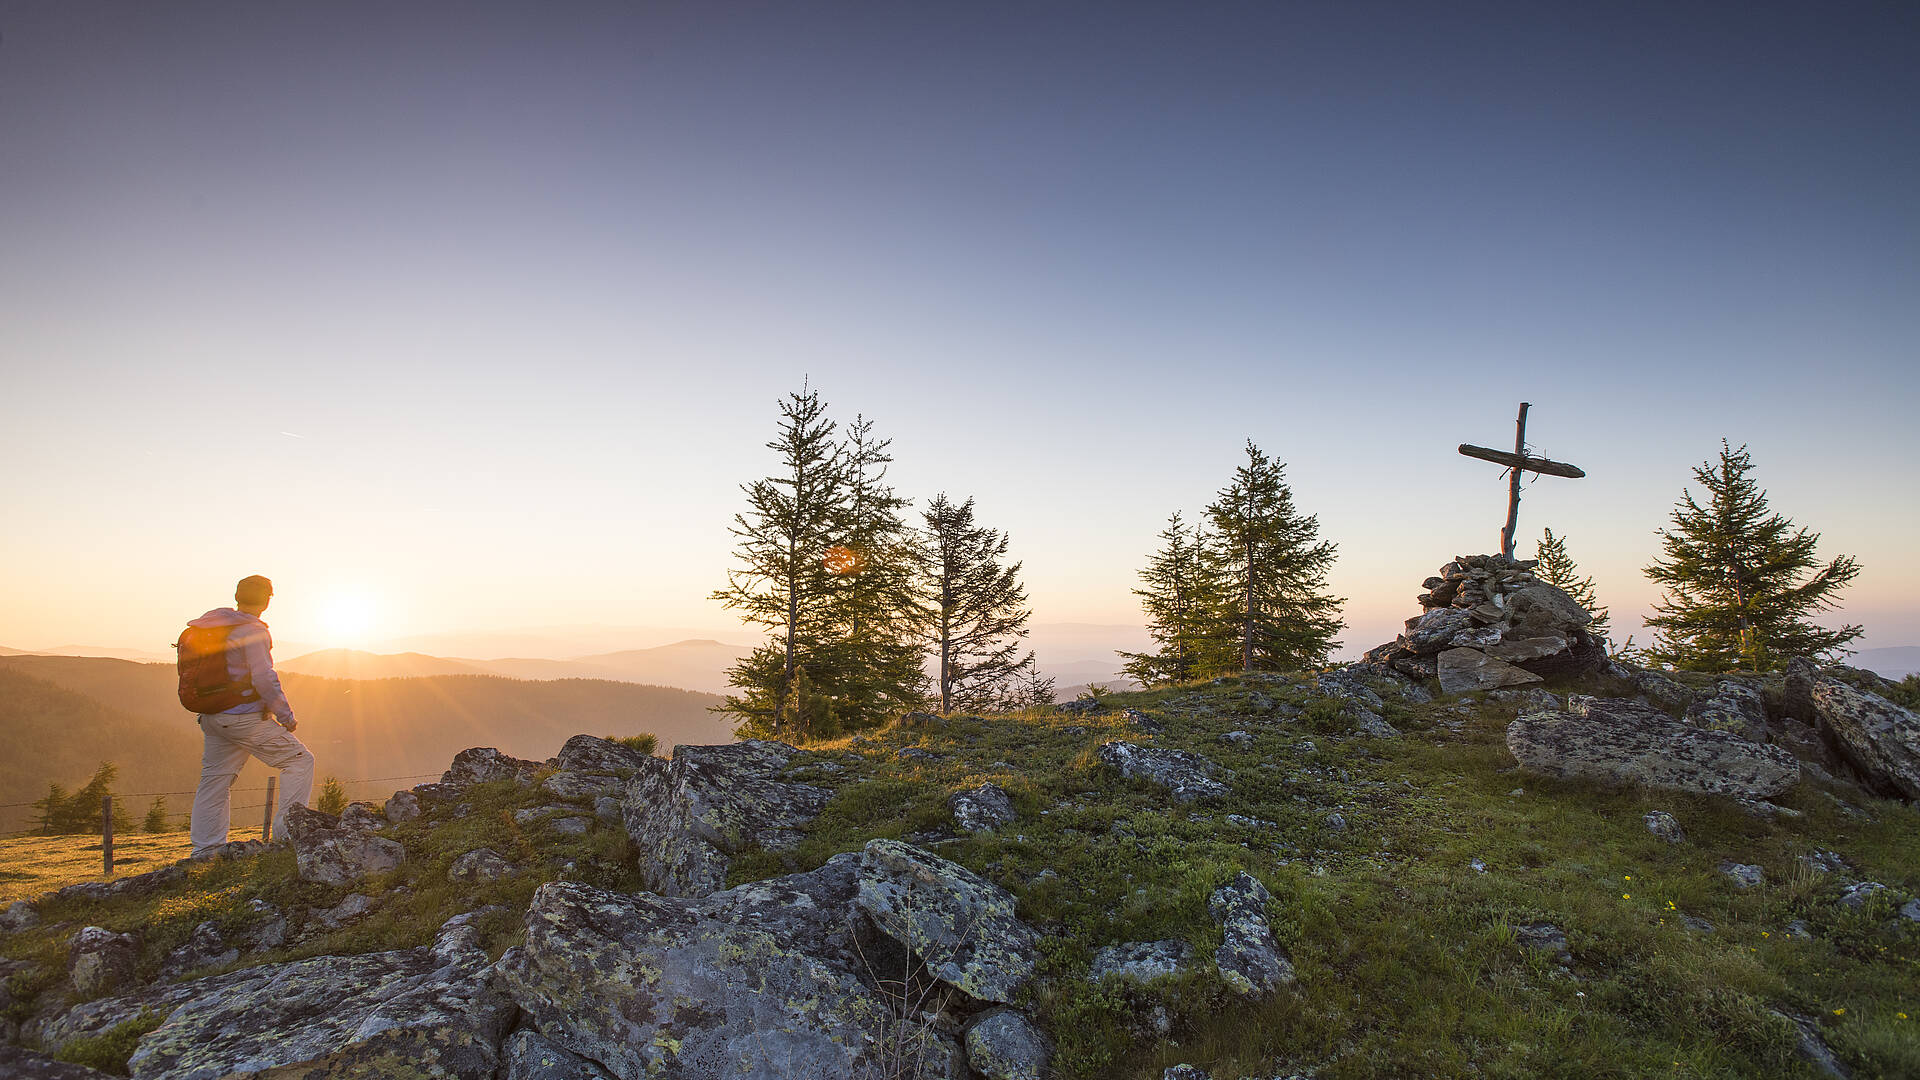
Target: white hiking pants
column 230, row 738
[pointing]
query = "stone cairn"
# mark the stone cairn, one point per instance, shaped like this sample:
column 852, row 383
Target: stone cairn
column 1488, row 622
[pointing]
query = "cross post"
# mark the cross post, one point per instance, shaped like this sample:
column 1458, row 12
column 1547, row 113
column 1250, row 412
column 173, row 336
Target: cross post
column 1517, row 463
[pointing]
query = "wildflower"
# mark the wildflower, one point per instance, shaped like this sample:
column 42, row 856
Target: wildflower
column 1839, row 1012
column 1629, row 877
column 1763, row 933
column 1899, row 1016
column 1626, row 896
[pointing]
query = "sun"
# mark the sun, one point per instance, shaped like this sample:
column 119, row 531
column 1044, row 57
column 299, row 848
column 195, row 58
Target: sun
column 348, row 615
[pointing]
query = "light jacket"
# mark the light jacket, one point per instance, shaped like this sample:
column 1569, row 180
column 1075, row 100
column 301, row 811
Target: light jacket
column 250, row 654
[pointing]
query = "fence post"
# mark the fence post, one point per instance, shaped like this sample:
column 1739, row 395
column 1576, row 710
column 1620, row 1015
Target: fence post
column 266, row 823
column 106, row 834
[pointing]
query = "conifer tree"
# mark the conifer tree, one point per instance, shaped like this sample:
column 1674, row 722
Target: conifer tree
column 156, row 821
column 51, row 809
column 872, row 664
column 977, row 607
column 1269, row 576
column 333, row 796
column 1558, row 569
column 80, row 812
column 1738, row 594
column 1177, row 601
column 783, row 583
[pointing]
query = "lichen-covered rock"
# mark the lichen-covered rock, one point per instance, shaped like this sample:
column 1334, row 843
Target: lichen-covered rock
column 591, row 754
column 483, row 764
column 1430, row 632
column 1003, row 1044
column 1878, row 738
column 689, row 816
column 1141, row 722
column 19, row 915
column 1663, row 825
column 1186, row 776
column 1745, row 875
column 481, row 864
column 1141, row 961
column 327, row 853
column 981, row 809
column 768, row 980
column 529, row 1055
column 959, row 924
column 1465, row 670
column 1659, row 753
column 1734, row 706
column 205, row 947
column 100, row 961
column 1250, row 960
column 402, row 806
column 430, row 1012
column 363, row 817
column 583, row 787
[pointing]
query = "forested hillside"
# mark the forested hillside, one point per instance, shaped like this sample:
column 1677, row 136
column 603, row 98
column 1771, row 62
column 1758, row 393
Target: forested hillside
column 64, row 715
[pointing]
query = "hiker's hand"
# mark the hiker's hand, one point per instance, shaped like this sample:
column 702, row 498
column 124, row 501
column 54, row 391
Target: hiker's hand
column 288, row 722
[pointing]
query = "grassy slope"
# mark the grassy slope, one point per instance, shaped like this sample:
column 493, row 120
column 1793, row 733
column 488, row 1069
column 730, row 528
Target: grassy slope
column 1407, row 957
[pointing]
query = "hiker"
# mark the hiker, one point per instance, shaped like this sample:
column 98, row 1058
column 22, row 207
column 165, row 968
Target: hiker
column 245, row 714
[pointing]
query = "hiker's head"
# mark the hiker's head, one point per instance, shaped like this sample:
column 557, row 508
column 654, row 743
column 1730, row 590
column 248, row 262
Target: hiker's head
column 252, row 594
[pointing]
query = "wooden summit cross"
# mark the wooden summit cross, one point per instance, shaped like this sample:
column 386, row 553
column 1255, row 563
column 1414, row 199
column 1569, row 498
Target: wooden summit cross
column 1517, row 463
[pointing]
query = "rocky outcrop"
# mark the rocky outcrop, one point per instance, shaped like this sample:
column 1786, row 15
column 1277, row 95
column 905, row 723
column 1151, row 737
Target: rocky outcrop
column 1141, row 961
column 1003, row 1044
column 481, row 865
column 529, row 1055
column 484, row 764
column 402, row 806
column 1736, row 706
column 1185, row 776
column 327, row 852
column 1493, row 606
column 132, row 887
column 1250, row 960
column 1879, row 739
column 19, row 1064
column 1621, row 744
column 591, row 754
column 981, row 809
column 689, row 816
column 960, row 925
column 100, row 961
column 583, row 787
column 429, row 1012
column 767, row 980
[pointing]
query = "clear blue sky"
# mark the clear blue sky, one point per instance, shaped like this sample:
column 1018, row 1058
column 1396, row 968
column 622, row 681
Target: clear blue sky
column 483, row 310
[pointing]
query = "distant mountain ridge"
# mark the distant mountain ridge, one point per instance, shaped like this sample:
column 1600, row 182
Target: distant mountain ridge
column 1894, row 663
column 699, row 665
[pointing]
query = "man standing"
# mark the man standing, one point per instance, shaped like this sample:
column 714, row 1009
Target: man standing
column 262, row 727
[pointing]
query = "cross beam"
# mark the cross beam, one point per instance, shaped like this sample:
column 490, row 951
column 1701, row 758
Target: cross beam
column 1517, row 463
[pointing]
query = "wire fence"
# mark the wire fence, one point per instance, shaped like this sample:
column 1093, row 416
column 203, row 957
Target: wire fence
column 183, row 816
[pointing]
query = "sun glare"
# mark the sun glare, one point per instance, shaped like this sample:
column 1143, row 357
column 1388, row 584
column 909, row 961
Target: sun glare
column 348, row 616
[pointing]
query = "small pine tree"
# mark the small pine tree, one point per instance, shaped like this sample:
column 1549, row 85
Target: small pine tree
column 1176, row 602
column 784, row 583
column 978, row 609
column 81, row 811
column 333, row 797
column 1031, row 690
column 51, row 810
column 156, row 821
column 1269, row 576
column 1557, row 568
column 1738, row 594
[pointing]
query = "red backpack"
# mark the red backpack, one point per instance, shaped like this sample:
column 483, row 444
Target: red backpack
column 205, row 685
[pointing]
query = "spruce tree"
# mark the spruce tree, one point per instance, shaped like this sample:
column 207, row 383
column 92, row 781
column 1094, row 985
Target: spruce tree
column 783, row 583
column 1558, row 569
column 51, row 810
column 1176, row 600
column 1738, row 591
column 872, row 667
column 156, row 821
column 1268, row 571
column 81, row 810
column 977, row 609
column 333, row 796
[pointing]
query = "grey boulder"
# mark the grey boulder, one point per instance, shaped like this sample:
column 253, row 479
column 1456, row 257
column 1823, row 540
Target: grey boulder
column 481, row 865
column 1734, row 706
column 592, row 754
column 1251, row 962
column 768, row 980
column 690, row 815
column 1877, row 737
column 981, row 809
column 484, row 764
column 962, row 926
column 1465, row 670
column 528, row 1055
column 326, row 852
column 1657, row 753
column 1185, row 776
column 1002, row 1044
column 100, row 961
column 1141, row 961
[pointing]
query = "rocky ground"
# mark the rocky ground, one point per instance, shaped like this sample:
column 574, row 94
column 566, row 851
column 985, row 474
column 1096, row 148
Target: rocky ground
column 1607, row 872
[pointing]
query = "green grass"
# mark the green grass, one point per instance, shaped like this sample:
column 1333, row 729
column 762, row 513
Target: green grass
column 1409, row 960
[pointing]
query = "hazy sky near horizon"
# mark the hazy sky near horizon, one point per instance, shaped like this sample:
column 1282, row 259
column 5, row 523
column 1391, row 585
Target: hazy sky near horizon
column 476, row 316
